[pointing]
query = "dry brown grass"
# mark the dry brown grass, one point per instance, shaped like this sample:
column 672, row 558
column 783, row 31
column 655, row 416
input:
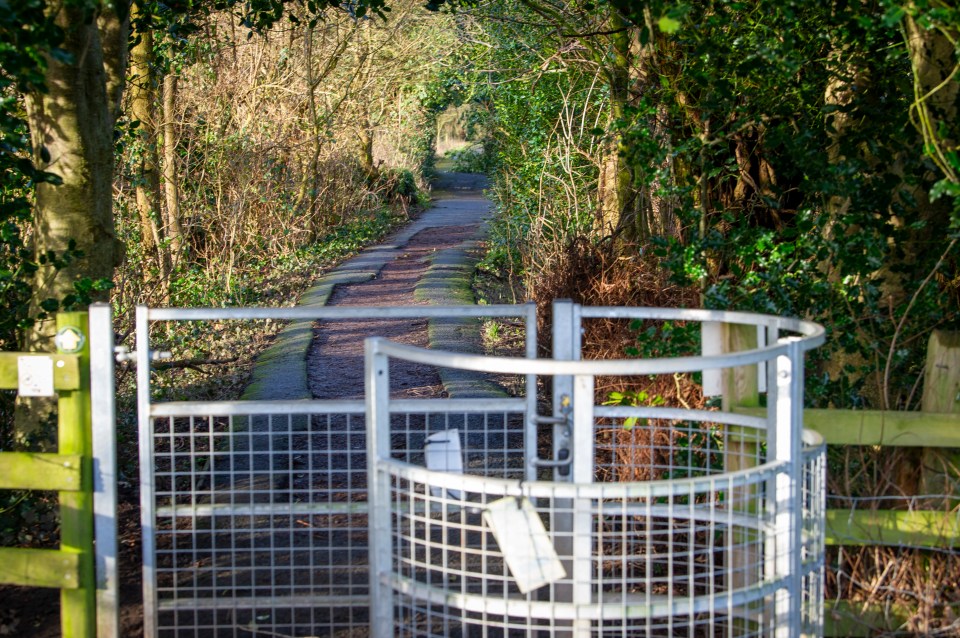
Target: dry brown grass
column 598, row 274
column 919, row 586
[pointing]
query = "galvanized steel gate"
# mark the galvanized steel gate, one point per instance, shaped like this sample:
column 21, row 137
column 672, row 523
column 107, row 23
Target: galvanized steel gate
column 255, row 513
column 258, row 521
column 664, row 521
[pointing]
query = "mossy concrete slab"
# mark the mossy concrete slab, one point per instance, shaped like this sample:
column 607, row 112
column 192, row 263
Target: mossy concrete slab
column 447, row 282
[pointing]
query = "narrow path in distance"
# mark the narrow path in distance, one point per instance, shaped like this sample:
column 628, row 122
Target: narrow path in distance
column 335, row 360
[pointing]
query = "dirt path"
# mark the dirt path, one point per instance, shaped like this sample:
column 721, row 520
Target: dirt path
column 338, row 345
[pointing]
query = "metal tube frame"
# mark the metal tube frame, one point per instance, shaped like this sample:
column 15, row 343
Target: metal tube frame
column 148, row 409
column 573, row 396
column 573, row 380
column 103, row 408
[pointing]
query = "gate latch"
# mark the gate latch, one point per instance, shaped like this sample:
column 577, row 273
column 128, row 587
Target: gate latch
column 123, row 354
column 564, row 458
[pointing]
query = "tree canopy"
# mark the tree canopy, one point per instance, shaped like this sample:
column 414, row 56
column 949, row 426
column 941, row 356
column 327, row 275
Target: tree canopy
column 785, row 157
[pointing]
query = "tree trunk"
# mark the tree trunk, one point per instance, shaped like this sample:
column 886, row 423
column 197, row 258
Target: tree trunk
column 933, row 54
column 365, row 137
column 71, row 130
column 306, row 195
column 170, row 183
column 114, row 26
column 143, row 98
column 937, row 92
column 934, row 112
column 848, row 80
column 615, row 176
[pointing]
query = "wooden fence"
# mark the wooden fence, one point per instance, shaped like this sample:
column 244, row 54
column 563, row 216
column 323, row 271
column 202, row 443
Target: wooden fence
column 934, row 432
column 68, row 472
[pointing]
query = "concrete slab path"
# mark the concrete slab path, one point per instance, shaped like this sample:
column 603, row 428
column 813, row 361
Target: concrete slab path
column 282, row 370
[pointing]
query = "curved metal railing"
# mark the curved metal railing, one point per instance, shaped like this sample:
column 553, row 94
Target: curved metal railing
column 687, row 522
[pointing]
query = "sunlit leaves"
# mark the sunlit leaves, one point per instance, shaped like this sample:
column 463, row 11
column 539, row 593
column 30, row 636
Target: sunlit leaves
column 668, row 24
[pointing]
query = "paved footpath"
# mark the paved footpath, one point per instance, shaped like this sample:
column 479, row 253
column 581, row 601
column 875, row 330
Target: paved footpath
column 280, row 371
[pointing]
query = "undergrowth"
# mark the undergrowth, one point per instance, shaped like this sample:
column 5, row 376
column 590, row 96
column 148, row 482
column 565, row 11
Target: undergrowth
column 922, row 580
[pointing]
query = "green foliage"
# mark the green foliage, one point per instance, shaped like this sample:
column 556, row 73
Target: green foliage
column 199, row 287
column 26, row 35
column 662, row 339
column 473, row 159
column 350, row 238
column 536, row 116
column 398, row 185
column 778, row 247
column 634, row 398
column 776, row 145
column 695, row 450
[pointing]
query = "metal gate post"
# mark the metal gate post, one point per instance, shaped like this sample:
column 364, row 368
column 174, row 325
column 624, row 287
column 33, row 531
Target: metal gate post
column 380, row 550
column 566, row 347
column 530, row 425
column 102, row 401
column 583, row 462
column 147, row 486
column 787, row 445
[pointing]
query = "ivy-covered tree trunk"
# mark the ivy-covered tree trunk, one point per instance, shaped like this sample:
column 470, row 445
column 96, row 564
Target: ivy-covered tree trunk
column 934, row 59
column 615, row 176
column 71, row 129
column 143, row 99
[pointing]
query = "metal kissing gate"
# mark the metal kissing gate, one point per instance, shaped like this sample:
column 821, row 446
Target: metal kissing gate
column 483, row 517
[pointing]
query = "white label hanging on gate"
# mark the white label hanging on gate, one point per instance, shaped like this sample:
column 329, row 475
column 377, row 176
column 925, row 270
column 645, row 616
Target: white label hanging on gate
column 524, row 542
column 443, row 454
column 35, row 376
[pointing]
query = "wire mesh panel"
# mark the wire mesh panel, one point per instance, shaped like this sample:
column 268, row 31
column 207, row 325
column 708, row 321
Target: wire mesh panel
column 814, row 503
column 255, row 513
column 658, row 564
column 260, row 520
column 677, row 522
column 259, row 523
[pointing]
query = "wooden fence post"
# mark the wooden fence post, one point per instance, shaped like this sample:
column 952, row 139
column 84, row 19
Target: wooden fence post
column 68, row 472
column 940, row 467
column 75, row 436
column 741, row 389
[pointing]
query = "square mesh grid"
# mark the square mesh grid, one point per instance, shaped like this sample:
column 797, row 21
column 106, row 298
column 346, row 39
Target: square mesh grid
column 695, row 558
column 657, row 566
column 261, row 520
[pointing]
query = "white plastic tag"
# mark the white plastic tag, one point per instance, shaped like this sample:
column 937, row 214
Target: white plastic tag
column 35, row 376
column 524, row 542
column 443, row 454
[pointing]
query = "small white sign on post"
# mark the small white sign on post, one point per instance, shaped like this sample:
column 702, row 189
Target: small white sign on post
column 530, row 556
column 711, row 340
column 443, row 454
column 35, row 376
